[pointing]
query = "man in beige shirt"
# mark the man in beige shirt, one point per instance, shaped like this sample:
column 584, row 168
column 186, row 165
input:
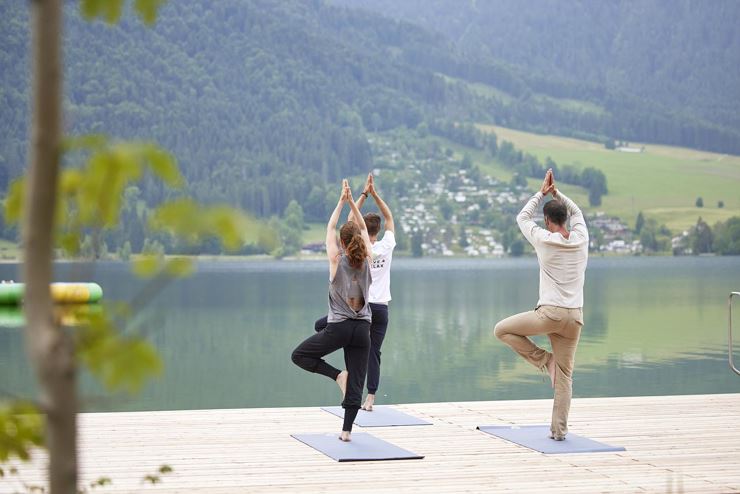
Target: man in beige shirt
column 562, row 255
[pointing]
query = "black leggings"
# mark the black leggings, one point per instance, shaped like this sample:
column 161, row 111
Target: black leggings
column 377, row 334
column 353, row 335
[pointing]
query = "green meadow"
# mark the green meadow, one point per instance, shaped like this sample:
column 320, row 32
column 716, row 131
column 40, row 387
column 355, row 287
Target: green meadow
column 315, row 232
column 9, row 250
column 662, row 181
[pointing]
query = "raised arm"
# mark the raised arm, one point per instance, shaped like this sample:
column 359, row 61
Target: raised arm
column 332, row 248
column 525, row 220
column 361, row 200
column 577, row 221
column 355, row 211
column 384, row 209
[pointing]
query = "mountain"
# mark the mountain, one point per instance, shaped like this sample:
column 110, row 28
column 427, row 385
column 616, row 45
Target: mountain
column 261, row 101
column 678, row 57
column 265, row 101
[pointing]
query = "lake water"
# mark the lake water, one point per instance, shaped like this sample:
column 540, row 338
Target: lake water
column 654, row 326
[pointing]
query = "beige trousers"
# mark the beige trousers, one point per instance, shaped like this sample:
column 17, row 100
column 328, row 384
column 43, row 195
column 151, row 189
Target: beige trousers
column 563, row 327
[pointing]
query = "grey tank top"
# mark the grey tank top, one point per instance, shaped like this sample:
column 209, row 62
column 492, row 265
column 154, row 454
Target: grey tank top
column 348, row 283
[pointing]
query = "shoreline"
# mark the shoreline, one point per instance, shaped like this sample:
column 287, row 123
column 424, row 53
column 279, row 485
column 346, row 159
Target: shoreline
column 322, row 257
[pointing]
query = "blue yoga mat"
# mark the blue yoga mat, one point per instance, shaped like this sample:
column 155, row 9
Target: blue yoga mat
column 362, row 447
column 537, row 437
column 381, row 416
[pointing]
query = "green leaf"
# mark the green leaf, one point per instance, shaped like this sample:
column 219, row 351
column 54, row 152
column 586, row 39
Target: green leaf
column 101, row 482
column 70, row 243
column 228, row 224
column 179, row 267
column 70, row 181
column 91, row 8
column 14, row 201
column 21, row 429
column 113, row 9
column 118, row 310
column 110, row 10
column 152, row 479
column 165, row 469
column 147, row 9
column 120, row 363
column 92, row 196
column 105, row 177
column 179, row 217
column 194, row 223
column 145, row 266
column 163, row 165
column 93, row 179
column 137, row 360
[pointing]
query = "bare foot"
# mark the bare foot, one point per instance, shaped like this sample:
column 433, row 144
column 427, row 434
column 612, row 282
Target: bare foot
column 345, row 436
column 551, row 370
column 342, row 381
column 555, row 437
column 369, row 402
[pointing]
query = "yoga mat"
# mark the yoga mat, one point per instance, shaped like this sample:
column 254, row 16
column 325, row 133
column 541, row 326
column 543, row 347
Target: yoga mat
column 381, row 416
column 537, row 437
column 362, row 447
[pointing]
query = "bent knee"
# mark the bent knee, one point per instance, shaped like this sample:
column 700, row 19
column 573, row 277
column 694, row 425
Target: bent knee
column 296, row 357
column 499, row 330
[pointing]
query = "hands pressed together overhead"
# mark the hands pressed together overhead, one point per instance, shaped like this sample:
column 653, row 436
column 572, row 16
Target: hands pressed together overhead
column 369, row 185
column 346, row 191
column 548, row 185
column 368, row 190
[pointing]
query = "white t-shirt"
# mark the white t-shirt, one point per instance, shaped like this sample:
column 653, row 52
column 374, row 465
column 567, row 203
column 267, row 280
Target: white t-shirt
column 380, row 269
column 562, row 260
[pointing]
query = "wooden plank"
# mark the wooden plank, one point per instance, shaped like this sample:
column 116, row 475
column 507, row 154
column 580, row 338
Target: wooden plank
column 674, row 444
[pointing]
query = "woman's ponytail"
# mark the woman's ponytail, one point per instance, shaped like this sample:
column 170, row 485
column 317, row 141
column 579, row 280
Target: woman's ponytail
column 354, row 244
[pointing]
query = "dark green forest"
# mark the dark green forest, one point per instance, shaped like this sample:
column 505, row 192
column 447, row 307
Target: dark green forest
column 261, row 101
column 667, row 70
column 268, row 101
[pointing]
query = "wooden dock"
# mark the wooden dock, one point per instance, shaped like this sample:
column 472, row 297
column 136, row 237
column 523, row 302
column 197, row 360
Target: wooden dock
column 674, row 444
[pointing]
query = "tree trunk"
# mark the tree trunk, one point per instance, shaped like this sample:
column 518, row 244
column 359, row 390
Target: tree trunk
column 51, row 350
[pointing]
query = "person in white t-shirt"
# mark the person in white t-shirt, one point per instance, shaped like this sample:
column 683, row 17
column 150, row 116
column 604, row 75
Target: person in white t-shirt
column 380, row 289
column 562, row 255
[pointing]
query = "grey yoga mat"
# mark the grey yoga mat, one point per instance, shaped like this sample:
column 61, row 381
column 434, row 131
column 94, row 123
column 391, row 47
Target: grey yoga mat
column 537, row 437
column 362, row 447
column 381, row 416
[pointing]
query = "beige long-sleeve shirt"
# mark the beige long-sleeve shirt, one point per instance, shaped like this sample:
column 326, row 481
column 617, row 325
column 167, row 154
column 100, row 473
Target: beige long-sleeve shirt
column 562, row 260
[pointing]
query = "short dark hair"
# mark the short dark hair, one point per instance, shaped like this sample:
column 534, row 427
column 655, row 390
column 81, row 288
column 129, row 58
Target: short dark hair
column 556, row 212
column 372, row 221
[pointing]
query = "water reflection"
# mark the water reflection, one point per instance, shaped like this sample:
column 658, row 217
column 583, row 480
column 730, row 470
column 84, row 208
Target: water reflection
column 653, row 326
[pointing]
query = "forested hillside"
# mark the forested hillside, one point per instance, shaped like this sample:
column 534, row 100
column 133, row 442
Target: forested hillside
column 260, row 100
column 267, row 101
column 637, row 59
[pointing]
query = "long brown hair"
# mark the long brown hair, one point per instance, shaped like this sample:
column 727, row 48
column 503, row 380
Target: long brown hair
column 354, row 244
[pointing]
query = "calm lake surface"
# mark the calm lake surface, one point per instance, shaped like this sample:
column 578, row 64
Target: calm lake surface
column 654, row 326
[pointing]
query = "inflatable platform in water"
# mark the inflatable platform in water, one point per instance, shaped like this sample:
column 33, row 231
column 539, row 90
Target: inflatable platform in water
column 61, row 293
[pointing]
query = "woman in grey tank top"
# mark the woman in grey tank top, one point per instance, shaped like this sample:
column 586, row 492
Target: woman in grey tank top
column 349, row 311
